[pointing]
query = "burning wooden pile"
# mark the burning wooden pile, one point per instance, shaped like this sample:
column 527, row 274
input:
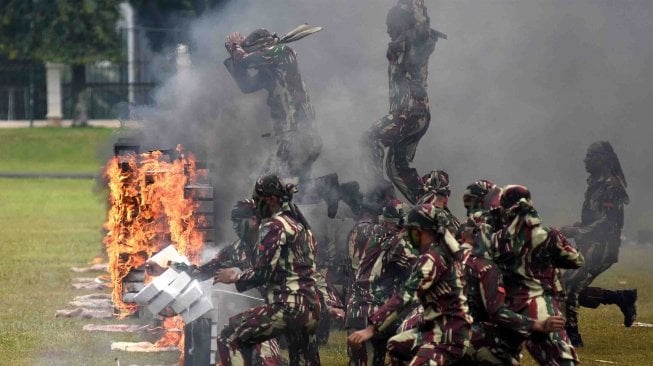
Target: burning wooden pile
column 157, row 199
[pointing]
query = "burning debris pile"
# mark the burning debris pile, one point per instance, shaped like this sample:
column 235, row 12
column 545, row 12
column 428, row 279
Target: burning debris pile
column 148, row 211
column 153, row 204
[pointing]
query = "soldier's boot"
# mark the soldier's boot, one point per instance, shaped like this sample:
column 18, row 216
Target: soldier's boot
column 350, row 194
column 312, row 191
column 626, row 300
column 330, row 194
column 574, row 335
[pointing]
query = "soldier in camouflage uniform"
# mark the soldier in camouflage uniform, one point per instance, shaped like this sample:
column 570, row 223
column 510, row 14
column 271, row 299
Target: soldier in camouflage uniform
column 411, row 43
column 239, row 254
column 598, row 237
column 264, row 61
column 435, row 190
column 383, row 268
column 497, row 331
column 437, row 281
column 283, row 262
column 528, row 254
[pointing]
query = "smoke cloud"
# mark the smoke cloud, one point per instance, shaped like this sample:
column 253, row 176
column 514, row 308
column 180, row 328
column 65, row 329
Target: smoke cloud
column 518, row 92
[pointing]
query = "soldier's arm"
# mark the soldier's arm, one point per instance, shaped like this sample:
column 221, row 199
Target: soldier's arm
column 563, row 253
column 423, row 276
column 266, row 257
column 610, row 209
column 226, row 258
column 494, row 299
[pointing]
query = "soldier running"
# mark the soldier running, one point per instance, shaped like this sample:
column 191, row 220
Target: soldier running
column 598, row 237
column 528, row 254
column 437, row 281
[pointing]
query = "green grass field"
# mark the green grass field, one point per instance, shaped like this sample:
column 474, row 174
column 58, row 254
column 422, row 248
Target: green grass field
column 51, row 225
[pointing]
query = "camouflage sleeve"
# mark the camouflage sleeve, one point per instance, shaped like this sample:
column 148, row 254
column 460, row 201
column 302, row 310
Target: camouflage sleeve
column 401, row 254
column 275, row 55
column 327, row 292
column 425, row 273
column 563, row 253
column 494, row 299
column 266, row 257
column 227, row 257
column 610, row 208
column 246, row 82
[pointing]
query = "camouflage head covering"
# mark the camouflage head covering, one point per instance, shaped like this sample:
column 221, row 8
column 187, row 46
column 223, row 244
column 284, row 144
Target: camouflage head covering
column 427, row 217
column 401, row 16
column 271, row 185
column 514, row 197
column 436, row 181
column 604, row 151
column 243, row 209
column 395, row 211
column 476, row 192
column 258, row 39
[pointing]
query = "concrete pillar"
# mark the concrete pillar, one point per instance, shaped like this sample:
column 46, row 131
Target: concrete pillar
column 53, row 87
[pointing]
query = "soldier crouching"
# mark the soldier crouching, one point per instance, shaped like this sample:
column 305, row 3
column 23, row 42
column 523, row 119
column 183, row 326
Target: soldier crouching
column 283, row 262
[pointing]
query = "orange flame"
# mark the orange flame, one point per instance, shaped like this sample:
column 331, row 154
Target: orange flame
column 147, row 212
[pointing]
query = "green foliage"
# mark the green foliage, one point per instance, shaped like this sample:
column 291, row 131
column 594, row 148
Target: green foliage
column 73, row 32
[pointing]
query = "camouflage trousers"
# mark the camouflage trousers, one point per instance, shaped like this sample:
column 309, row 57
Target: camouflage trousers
column 295, row 154
column 431, row 343
column 400, row 134
column 548, row 348
column 598, row 258
column 491, row 345
column 297, row 323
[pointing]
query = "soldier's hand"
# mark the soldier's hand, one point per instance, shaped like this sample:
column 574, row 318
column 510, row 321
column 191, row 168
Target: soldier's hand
column 337, row 313
column 550, row 324
column 227, row 275
column 569, row 231
column 355, row 339
column 233, row 40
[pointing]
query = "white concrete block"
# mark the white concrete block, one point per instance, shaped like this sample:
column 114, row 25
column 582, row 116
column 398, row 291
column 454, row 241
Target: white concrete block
column 169, row 293
column 156, row 286
column 197, row 309
column 190, row 294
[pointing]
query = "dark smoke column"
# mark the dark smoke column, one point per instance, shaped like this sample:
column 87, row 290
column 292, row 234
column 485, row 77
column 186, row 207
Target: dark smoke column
column 264, row 61
column 411, row 43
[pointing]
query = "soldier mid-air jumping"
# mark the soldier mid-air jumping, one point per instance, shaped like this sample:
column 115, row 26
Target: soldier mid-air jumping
column 411, row 43
column 263, row 61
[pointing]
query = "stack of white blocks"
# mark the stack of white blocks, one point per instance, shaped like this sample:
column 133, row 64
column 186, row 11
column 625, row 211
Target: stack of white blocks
column 185, row 296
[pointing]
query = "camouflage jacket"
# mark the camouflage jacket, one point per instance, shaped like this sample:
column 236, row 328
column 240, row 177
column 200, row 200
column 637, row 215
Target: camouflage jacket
column 438, row 282
column 487, row 296
column 408, row 56
column 528, row 254
column 283, row 261
column 392, row 268
column 275, row 71
column 357, row 241
column 365, row 275
column 602, row 216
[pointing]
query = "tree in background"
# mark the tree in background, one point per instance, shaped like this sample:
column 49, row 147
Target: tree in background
column 69, row 32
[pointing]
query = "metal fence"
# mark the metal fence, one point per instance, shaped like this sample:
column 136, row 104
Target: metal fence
column 15, row 80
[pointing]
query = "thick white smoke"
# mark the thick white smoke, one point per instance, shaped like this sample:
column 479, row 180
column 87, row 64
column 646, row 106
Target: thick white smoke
column 518, row 92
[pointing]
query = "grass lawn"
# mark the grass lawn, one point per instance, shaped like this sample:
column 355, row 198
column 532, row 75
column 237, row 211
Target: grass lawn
column 51, row 225
column 52, row 150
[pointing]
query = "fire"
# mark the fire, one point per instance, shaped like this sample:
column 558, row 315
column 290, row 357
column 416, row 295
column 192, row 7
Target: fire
column 147, row 212
column 174, row 334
